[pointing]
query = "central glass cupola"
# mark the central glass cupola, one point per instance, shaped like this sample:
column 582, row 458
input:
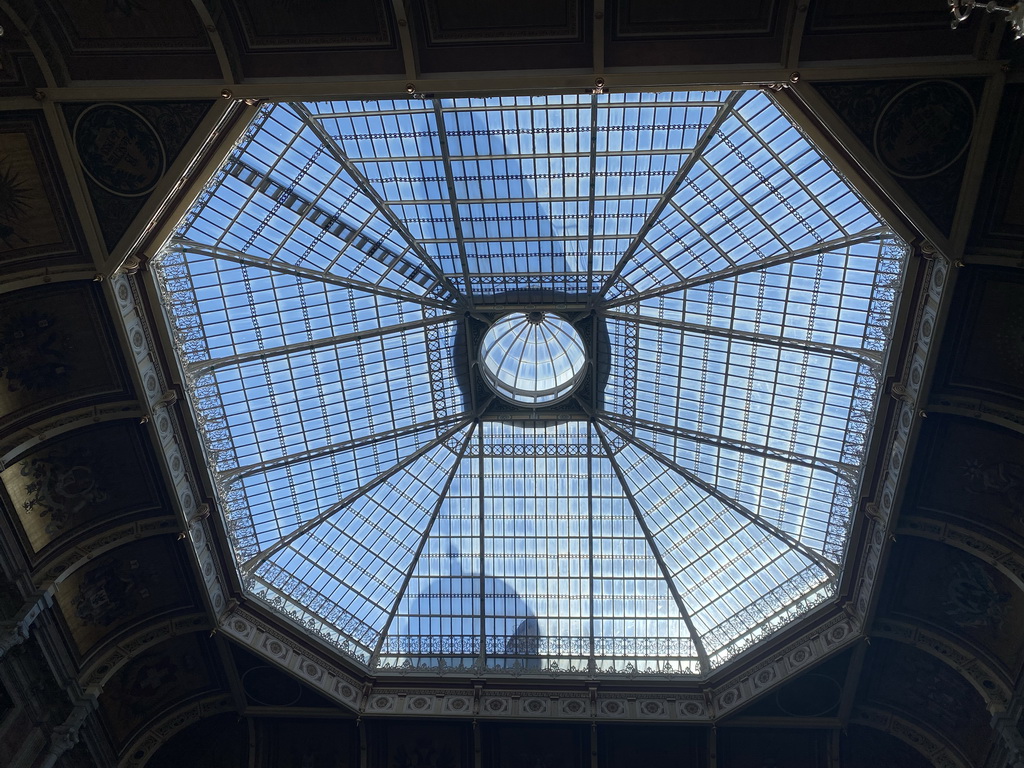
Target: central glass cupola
column 533, row 358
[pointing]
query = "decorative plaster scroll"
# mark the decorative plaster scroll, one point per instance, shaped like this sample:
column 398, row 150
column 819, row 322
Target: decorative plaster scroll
column 997, row 552
column 993, row 685
column 898, row 444
column 101, row 670
column 139, row 751
column 940, row 754
column 68, row 561
column 29, row 437
column 1011, row 418
column 172, row 447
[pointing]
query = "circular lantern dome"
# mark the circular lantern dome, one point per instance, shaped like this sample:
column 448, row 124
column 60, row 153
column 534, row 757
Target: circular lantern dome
column 533, row 358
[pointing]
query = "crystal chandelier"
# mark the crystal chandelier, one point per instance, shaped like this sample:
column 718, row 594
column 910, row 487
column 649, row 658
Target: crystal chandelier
column 961, row 9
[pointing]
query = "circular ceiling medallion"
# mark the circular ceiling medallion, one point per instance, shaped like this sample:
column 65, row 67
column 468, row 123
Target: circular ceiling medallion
column 120, row 150
column 533, row 358
column 924, row 129
column 268, row 687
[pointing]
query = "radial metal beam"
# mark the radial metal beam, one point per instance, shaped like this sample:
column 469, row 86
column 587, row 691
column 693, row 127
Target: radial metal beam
column 453, row 200
column 382, row 205
column 327, row 450
column 702, row 654
column 253, row 562
column 811, row 194
column 770, row 528
column 866, row 236
column 592, row 192
column 843, row 471
column 703, row 236
column 533, row 156
column 592, row 655
column 525, row 238
column 836, row 350
column 536, row 200
column 435, row 512
column 305, row 273
column 311, row 344
column 673, row 187
column 482, row 523
column 749, row 205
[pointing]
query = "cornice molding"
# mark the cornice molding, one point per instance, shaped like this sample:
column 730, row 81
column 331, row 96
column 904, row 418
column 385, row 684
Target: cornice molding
column 68, row 559
column 137, row 753
column 96, row 674
column 998, row 549
column 991, row 683
column 936, row 749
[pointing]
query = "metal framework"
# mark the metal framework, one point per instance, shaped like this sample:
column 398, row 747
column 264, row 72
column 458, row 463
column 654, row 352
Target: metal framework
column 735, row 295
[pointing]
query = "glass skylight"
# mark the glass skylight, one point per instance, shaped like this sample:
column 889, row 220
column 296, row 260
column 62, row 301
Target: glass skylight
column 575, row 383
column 532, row 357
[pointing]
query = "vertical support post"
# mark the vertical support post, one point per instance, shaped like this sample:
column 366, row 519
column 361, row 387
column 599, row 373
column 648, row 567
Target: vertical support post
column 834, row 759
column 1005, row 726
column 65, row 735
column 15, row 631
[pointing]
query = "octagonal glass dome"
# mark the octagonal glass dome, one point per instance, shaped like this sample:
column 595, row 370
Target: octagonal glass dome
column 327, row 296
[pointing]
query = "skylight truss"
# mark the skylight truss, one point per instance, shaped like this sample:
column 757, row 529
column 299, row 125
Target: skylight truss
column 321, row 294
